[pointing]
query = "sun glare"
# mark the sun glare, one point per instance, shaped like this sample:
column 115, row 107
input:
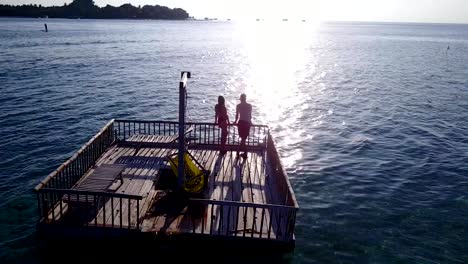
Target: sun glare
column 276, row 55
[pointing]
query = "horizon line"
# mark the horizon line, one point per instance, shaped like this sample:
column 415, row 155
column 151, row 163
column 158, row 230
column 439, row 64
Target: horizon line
column 263, row 20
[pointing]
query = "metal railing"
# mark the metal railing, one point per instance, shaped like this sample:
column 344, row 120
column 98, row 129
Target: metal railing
column 231, row 218
column 74, row 168
column 58, row 203
column 280, row 179
column 199, row 133
column 86, row 208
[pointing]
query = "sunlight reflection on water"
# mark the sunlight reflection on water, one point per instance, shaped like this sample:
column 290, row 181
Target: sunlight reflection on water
column 367, row 118
column 273, row 86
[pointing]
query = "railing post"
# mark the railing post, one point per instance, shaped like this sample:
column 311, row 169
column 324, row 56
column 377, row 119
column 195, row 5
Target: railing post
column 182, row 107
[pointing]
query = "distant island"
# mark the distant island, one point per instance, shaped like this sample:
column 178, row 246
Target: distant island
column 87, row 9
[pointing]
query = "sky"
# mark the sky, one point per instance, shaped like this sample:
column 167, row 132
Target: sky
column 431, row 11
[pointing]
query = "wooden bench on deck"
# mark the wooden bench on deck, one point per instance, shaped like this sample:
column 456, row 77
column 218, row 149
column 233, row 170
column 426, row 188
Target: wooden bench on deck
column 103, row 179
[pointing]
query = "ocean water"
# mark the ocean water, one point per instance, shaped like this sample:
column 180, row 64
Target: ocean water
column 370, row 119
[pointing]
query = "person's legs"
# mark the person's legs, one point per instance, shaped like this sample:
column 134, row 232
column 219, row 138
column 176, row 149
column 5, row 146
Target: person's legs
column 244, row 128
column 242, row 147
column 239, row 131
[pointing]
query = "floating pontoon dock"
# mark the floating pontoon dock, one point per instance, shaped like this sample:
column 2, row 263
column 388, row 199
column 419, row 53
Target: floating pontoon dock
column 115, row 185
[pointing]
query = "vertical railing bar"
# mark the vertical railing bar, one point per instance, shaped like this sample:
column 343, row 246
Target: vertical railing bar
column 52, row 206
column 257, row 137
column 254, row 221
column 278, row 229
column 138, row 214
column 118, row 129
column 112, row 211
column 124, row 132
column 203, row 224
column 228, row 220
column 61, row 208
column 129, row 214
column 261, row 222
column 73, row 172
column 81, row 168
column 95, row 199
column 237, row 220
column 91, row 156
column 124, row 125
column 45, row 204
column 65, row 178
column 39, row 205
column 270, row 224
column 62, row 180
column 216, row 135
column 120, row 212
column 245, row 221
column 220, row 219
column 86, row 209
column 104, row 211
column 192, row 219
column 78, row 207
column 200, row 134
column 211, row 219
column 288, row 223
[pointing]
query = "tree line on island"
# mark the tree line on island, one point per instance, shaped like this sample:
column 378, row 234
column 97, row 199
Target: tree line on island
column 87, row 9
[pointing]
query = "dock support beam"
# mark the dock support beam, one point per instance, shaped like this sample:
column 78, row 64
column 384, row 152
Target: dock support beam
column 182, row 108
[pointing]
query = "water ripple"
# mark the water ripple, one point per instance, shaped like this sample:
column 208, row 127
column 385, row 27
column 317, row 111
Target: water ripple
column 369, row 120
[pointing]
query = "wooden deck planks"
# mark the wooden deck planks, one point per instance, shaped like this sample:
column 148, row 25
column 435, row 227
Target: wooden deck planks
column 143, row 178
column 269, row 189
column 111, row 207
column 245, row 217
column 231, row 179
column 184, row 222
column 257, row 194
column 260, row 181
column 138, row 179
column 207, row 159
column 151, row 172
column 230, row 191
column 151, row 138
column 216, row 193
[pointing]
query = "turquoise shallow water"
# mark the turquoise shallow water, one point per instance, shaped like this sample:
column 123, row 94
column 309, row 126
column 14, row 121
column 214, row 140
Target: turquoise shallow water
column 370, row 119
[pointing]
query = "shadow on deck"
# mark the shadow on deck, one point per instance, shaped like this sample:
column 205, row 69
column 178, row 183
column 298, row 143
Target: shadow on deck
column 245, row 200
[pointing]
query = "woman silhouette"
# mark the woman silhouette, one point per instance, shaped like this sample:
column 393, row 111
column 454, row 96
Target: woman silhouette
column 222, row 120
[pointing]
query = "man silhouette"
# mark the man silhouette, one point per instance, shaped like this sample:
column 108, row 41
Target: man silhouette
column 243, row 121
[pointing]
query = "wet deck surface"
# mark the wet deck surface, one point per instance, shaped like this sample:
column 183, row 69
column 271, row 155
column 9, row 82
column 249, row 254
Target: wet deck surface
column 231, row 179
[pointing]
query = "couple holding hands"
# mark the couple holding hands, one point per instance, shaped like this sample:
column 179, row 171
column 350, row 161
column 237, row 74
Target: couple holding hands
column 243, row 122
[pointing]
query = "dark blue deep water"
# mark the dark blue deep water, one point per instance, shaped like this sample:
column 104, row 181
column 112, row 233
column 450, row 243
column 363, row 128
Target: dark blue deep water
column 371, row 119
